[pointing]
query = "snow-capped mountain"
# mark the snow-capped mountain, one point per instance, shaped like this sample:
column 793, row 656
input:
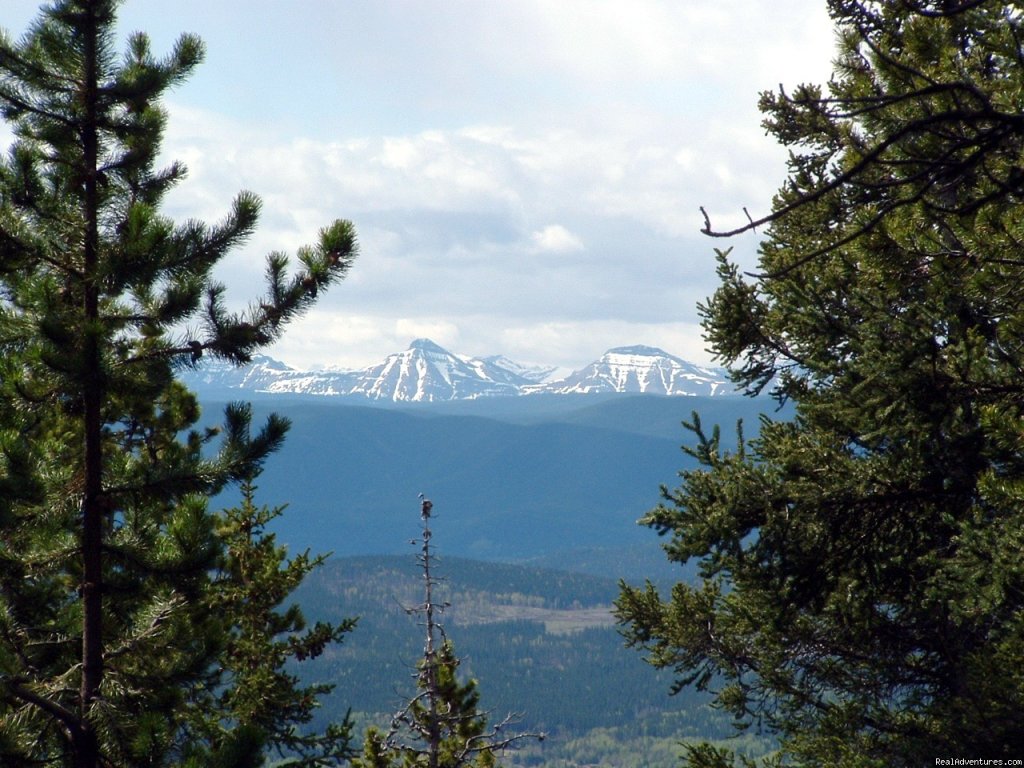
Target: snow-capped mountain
column 647, row 370
column 426, row 372
column 264, row 374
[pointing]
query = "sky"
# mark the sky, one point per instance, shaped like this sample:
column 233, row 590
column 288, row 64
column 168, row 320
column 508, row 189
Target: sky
column 525, row 176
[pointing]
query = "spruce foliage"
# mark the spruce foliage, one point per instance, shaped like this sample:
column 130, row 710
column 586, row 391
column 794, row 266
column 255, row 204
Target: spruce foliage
column 862, row 566
column 442, row 726
column 106, row 542
column 259, row 688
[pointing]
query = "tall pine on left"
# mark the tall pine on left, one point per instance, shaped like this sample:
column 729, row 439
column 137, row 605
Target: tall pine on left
column 105, row 537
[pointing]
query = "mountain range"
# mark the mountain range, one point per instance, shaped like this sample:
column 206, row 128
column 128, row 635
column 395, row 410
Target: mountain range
column 426, row 372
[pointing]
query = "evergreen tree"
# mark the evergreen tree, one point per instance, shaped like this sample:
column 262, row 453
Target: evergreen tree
column 862, row 589
column 105, row 538
column 259, row 691
column 442, row 725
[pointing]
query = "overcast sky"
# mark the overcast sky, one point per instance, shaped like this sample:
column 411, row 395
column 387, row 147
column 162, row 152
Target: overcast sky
column 524, row 175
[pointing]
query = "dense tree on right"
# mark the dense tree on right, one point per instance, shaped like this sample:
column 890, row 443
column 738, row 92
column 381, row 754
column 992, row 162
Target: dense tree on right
column 862, row 565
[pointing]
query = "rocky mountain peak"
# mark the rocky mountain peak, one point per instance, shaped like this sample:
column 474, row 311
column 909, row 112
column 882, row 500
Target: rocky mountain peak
column 426, row 345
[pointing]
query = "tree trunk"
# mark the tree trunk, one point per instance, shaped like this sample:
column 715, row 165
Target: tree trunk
column 93, row 503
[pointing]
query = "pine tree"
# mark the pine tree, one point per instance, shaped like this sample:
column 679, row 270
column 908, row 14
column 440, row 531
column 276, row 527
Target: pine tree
column 862, row 590
column 260, row 689
column 105, row 538
column 441, row 726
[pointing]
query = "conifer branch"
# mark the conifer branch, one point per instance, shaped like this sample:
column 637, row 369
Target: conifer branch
column 17, row 687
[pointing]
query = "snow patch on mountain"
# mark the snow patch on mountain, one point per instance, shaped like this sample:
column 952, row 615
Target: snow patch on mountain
column 640, row 369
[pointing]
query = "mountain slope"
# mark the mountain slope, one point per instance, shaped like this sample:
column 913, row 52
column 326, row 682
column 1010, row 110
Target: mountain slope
column 266, row 375
column 532, row 373
column 502, row 490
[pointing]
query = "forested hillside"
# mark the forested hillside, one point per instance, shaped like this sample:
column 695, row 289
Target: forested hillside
column 541, row 643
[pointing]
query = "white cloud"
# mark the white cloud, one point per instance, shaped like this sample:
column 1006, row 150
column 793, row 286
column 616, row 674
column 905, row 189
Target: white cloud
column 444, row 332
column 448, row 222
column 466, row 138
column 577, row 344
column 336, row 339
column 612, row 47
column 357, row 341
column 554, row 238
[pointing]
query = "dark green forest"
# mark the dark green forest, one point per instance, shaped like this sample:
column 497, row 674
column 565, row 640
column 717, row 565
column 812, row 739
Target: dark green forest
column 518, row 482
column 520, row 660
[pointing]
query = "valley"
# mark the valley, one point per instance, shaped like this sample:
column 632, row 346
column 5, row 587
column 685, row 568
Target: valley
column 536, row 501
column 558, row 474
